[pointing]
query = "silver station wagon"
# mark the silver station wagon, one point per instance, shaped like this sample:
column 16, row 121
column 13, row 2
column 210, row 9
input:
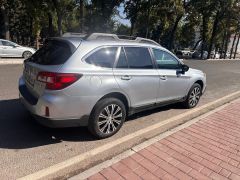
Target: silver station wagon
column 99, row 80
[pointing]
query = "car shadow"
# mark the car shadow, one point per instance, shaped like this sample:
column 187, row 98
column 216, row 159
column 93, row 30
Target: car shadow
column 19, row 130
column 155, row 110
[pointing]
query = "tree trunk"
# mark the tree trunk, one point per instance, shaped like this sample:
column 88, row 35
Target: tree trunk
column 226, row 44
column 81, row 16
column 236, row 48
column 6, row 23
column 132, row 28
column 223, row 43
column 214, row 32
column 173, row 31
column 204, row 29
column 233, row 43
column 59, row 16
column 59, row 23
column 50, row 25
column 148, row 18
column 30, row 31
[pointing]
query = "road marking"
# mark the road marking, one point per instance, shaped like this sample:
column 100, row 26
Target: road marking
column 169, row 123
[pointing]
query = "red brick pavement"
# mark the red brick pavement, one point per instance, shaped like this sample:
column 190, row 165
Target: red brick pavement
column 208, row 149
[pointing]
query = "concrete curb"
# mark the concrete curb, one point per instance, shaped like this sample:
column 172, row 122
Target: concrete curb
column 223, row 59
column 11, row 61
column 92, row 157
column 213, row 60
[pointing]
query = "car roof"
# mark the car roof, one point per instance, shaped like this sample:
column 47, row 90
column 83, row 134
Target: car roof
column 76, row 41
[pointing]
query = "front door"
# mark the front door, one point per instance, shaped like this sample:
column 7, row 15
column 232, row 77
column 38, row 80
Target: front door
column 173, row 85
column 136, row 76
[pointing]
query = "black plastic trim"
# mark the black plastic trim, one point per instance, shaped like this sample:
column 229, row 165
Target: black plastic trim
column 56, row 123
column 27, row 95
column 134, row 110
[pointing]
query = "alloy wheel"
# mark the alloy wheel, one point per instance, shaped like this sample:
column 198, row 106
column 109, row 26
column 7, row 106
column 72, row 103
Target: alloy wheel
column 194, row 96
column 110, row 118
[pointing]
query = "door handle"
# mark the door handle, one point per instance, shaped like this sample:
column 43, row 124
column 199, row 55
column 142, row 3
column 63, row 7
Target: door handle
column 126, row 77
column 163, row 78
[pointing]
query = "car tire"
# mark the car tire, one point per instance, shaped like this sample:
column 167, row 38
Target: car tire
column 26, row 54
column 107, row 118
column 193, row 96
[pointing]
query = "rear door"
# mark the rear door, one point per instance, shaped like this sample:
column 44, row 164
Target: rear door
column 172, row 84
column 137, row 76
column 47, row 59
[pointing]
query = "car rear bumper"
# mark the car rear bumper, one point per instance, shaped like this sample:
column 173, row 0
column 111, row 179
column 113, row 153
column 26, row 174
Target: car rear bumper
column 62, row 123
column 63, row 110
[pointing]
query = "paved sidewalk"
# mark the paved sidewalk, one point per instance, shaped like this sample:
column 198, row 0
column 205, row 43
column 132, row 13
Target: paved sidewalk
column 207, row 149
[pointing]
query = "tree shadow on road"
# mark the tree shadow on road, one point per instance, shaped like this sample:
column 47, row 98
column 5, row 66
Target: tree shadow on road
column 18, row 130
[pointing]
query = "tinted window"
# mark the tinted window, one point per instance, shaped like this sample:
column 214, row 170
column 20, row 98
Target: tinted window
column 52, row 53
column 122, row 60
column 7, row 43
column 104, row 57
column 165, row 60
column 138, row 58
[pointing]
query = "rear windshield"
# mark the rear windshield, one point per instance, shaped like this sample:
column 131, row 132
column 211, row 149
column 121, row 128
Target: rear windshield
column 53, row 52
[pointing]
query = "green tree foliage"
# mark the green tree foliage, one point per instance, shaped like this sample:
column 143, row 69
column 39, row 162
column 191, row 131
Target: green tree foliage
column 173, row 23
column 99, row 15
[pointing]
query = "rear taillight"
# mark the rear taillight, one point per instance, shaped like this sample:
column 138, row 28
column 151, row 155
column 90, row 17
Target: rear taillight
column 57, row 81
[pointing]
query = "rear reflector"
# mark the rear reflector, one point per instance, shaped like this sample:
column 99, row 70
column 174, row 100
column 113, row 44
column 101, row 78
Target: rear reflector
column 57, row 81
column 47, row 112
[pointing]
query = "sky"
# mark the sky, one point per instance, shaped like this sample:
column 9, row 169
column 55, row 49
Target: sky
column 122, row 14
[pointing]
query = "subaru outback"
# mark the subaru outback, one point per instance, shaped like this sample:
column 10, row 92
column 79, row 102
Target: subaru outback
column 100, row 80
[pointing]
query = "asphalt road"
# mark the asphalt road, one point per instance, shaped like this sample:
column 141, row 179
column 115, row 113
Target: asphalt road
column 26, row 147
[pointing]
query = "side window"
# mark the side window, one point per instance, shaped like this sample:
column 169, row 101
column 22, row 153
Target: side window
column 6, row 43
column 0, row 43
column 165, row 60
column 122, row 60
column 138, row 58
column 104, row 57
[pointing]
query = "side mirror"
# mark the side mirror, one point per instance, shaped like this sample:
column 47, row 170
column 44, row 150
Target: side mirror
column 185, row 68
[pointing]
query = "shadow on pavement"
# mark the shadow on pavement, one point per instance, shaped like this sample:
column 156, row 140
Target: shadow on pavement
column 156, row 110
column 18, row 130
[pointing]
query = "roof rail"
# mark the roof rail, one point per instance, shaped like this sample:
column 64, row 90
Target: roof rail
column 74, row 34
column 114, row 37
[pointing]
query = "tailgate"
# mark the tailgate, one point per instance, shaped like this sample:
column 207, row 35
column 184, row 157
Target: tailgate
column 30, row 73
column 50, row 58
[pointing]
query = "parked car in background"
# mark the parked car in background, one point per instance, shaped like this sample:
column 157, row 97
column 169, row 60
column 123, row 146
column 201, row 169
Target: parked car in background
column 185, row 53
column 99, row 81
column 11, row 49
column 197, row 55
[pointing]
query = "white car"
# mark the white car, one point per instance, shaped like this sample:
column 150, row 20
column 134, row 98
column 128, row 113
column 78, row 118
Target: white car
column 11, row 49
